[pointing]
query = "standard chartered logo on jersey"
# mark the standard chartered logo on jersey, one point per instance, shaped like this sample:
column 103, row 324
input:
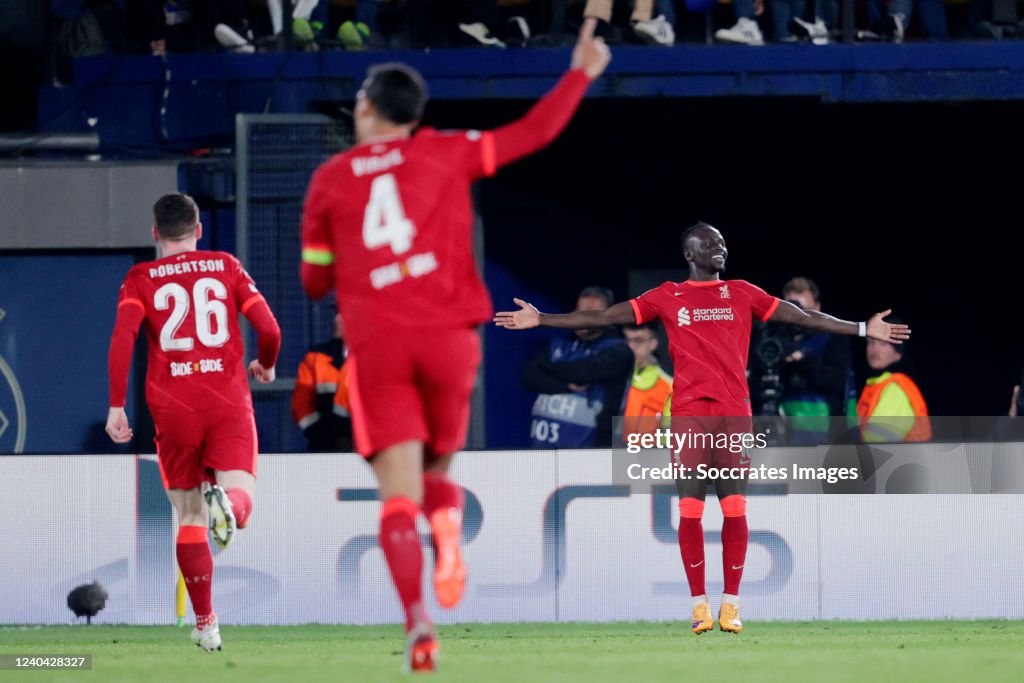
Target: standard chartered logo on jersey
column 12, row 407
column 700, row 315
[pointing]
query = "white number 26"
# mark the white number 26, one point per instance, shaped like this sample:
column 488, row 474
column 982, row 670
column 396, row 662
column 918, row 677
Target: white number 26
column 211, row 313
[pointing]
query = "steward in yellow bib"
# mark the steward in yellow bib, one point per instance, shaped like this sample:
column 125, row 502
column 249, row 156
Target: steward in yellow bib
column 891, row 408
column 320, row 400
column 649, row 398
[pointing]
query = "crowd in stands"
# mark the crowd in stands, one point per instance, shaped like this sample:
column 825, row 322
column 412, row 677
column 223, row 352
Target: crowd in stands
column 86, row 27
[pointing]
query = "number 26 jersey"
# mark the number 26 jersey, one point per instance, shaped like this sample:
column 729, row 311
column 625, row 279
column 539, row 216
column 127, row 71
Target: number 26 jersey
column 191, row 303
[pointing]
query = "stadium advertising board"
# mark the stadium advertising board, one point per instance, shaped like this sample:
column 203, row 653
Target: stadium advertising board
column 550, row 536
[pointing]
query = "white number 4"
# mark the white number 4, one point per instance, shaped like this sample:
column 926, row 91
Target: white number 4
column 384, row 222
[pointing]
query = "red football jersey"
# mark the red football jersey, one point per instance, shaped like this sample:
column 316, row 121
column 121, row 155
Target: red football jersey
column 191, row 303
column 708, row 326
column 397, row 214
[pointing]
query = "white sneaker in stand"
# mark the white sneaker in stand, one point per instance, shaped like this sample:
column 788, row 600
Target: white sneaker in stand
column 745, row 32
column 481, row 34
column 657, row 30
column 817, row 32
column 232, row 39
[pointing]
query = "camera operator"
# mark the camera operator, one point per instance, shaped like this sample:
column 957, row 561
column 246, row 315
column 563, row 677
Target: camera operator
column 804, row 376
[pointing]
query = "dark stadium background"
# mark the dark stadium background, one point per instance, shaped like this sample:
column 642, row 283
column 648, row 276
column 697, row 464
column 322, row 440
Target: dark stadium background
column 914, row 207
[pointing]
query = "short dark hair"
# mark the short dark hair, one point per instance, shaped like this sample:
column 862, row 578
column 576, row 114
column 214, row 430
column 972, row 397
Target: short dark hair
column 175, row 216
column 801, row 284
column 598, row 292
column 688, row 233
column 397, row 91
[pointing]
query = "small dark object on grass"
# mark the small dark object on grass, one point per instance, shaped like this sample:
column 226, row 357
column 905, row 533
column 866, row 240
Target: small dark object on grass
column 87, row 600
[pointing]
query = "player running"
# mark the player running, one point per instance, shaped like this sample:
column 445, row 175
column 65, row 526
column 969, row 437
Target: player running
column 708, row 321
column 196, row 388
column 389, row 224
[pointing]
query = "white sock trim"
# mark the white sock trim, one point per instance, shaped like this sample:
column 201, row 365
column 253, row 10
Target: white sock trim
column 733, row 600
column 699, row 599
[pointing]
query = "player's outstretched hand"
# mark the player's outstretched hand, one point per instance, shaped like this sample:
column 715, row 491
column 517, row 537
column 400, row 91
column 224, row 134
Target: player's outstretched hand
column 526, row 317
column 590, row 53
column 117, row 426
column 893, row 333
column 261, row 374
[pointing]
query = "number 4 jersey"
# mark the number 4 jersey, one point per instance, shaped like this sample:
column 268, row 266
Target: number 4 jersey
column 400, row 228
column 391, row 220
column 190, row 303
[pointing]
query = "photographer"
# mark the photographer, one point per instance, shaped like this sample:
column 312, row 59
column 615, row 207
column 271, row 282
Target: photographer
column 804, row 376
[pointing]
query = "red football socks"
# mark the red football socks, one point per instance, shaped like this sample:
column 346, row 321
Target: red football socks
column 196, row 564
column 691, row 543
column 204, row 621
column 401, row 545
column 734, row 541
column 439, row 493
column 241, row 505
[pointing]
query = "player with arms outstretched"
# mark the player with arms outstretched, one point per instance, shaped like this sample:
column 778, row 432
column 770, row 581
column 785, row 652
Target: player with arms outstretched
column 389, row 223
column 708, row 321
column 196, row 388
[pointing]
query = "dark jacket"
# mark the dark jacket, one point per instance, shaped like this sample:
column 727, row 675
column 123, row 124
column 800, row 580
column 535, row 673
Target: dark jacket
column 605, row 365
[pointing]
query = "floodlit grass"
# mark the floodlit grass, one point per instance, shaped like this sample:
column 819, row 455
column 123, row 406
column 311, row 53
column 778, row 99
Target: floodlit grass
column 907, row 652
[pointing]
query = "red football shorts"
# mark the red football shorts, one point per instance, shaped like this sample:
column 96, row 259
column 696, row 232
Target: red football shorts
column 190, row 444
column 413, row 385
column 715, row 431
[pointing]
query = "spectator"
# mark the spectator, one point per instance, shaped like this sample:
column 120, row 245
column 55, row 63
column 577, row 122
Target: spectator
column 788, row 18
column 482, row 18
column 232, row 29
column 190, row 25
column 85, row 28
column 891, row 407
column 649, row 399
column 996, row 19
column 320, row 401
column 745, row 31
column 890, row 18
column 580, row 381
column 646, row 27
column 309, row 20
column 816, row 375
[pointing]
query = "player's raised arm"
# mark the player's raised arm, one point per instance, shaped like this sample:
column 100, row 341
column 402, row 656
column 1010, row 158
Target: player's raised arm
column 590, row 54
column 528, row 316
column 875, row 327
column 550, row 115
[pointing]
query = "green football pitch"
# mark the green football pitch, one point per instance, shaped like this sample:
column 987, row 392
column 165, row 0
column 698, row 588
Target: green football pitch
column 909, row 651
